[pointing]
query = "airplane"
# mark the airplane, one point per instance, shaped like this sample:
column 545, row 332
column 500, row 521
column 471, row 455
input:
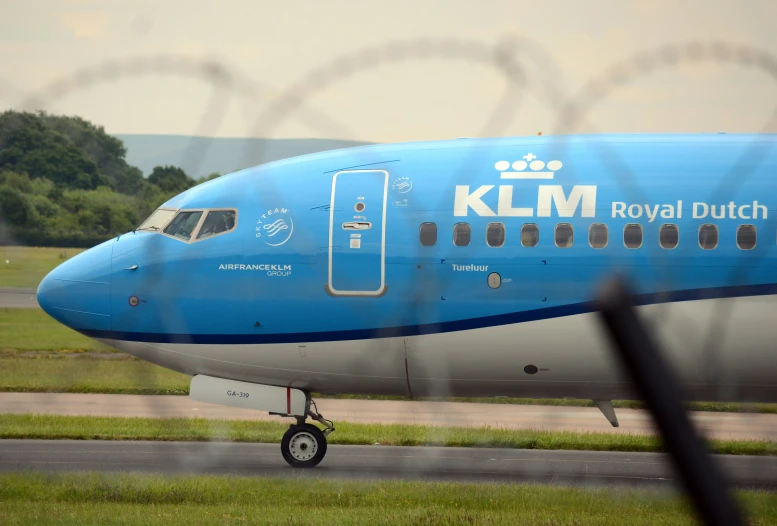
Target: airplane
column 464, row 268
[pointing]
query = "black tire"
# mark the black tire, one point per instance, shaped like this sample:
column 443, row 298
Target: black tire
column 303, row 446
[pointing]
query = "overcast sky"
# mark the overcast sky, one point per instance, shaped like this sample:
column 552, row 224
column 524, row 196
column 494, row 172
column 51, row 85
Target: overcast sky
column 270, row 46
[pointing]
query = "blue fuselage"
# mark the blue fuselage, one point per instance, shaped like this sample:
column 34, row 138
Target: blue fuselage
column 400, row 241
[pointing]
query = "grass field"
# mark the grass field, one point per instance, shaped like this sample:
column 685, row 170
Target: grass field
column 26, row 266
column 35, row 426
column 115, row 374
column 89, row 498
column 34, row 330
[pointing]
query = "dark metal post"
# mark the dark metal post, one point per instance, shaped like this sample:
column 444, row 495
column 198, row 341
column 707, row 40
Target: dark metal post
column 657, row 386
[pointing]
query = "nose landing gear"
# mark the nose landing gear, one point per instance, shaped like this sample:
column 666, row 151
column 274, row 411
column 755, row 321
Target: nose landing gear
column 304, row 445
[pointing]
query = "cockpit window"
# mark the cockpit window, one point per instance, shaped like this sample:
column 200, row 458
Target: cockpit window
column 157, row 220
column 183, row 225
column 217, row 222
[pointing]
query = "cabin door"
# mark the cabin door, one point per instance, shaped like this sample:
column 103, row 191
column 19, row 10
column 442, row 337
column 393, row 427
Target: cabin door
column 357, row 233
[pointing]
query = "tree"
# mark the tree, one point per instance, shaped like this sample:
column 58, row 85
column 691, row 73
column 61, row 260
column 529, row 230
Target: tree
column 15, row 208
column 214, row 175
column 170, row 179
column 130, row 181
column 66, row 150
column 107, row 152
column 65, row 182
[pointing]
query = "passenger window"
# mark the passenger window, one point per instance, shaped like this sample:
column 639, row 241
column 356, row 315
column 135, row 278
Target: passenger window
column 427, row 234
column 597, row 235
column 708, row 237
column 632, row 235
column 564, row 235
column 461, row 234
column 495, row 235
column 183, row 225
column 217, row 222
column 530, row 235
column 746, row 237
column 668, row 236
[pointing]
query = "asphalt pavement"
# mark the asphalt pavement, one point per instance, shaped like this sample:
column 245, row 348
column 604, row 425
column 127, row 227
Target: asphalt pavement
column 576, row 468
column 14, row 298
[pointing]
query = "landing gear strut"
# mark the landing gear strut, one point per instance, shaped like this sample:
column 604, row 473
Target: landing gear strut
column 304, row 445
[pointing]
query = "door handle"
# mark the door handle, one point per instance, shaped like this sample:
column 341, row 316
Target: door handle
column 357, row 225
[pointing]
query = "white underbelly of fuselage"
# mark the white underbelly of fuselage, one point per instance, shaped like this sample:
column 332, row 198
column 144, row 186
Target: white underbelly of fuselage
column 721, row 349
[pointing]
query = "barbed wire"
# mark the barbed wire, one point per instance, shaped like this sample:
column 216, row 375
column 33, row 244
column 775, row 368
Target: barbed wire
column 572, row 111
column 500, row 56
column 224, row 79
column 672, row 56
column 525, row 65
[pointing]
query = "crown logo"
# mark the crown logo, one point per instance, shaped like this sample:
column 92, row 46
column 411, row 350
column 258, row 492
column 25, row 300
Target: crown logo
column 538, row 169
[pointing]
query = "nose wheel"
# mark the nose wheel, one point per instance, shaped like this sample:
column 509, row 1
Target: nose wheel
column 304, row 445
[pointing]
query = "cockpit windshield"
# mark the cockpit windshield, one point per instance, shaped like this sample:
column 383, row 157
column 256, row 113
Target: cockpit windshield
column 183, row 225
column 217, row 222
column 191, row 225
column 157, row 220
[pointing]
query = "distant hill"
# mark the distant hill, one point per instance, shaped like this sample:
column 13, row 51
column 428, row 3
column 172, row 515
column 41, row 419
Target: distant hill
column 200, row 156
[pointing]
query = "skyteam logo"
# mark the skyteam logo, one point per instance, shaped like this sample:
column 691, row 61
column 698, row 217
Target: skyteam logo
column 549, row 197
column 275, row 227
column 402, row 185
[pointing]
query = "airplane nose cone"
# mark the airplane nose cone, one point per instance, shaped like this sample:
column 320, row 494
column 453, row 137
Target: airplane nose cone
column 77, row 293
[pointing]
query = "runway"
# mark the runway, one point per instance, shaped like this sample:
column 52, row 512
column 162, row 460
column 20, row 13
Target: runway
column 632, row 421
column 372, row 462
column 14, row 298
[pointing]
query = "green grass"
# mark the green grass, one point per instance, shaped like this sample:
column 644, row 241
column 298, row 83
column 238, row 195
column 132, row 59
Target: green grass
column 119, row 374
column 37, row 426
column 89, row 498
column 27, row 266
column 33, row 329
